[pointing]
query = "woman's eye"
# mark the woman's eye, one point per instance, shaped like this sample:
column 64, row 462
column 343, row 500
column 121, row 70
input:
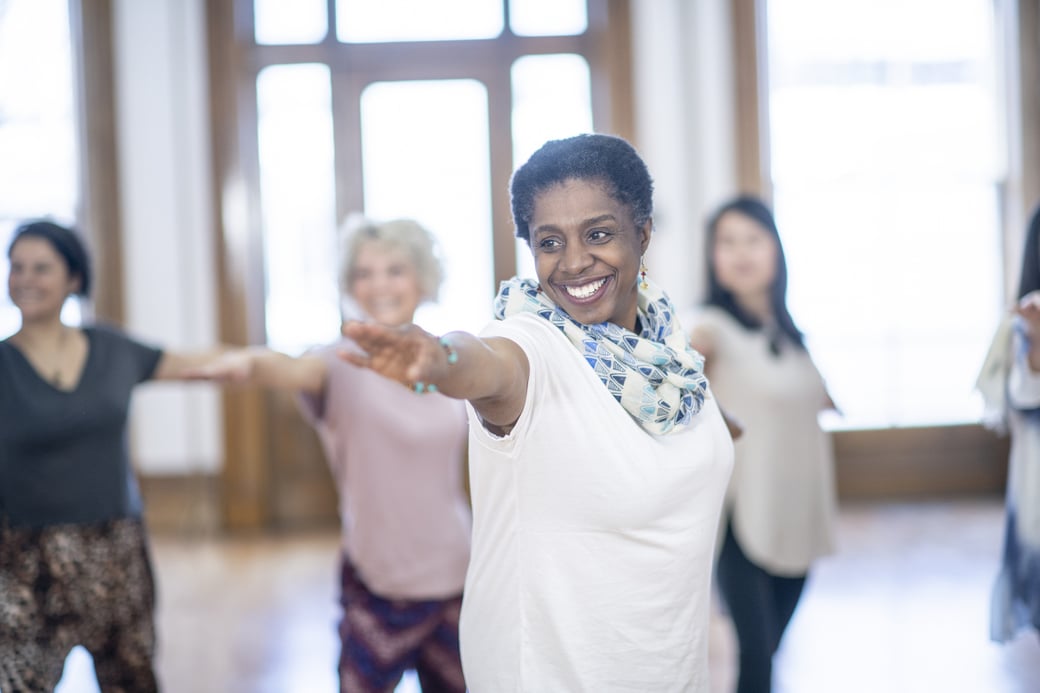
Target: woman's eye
column 598, row 235
column 548, row 244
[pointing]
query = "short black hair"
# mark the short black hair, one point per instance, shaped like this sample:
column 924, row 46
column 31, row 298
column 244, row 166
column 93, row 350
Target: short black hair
column 607, row 159
column 65, row 242
column 755, row 209
column 1029, row 280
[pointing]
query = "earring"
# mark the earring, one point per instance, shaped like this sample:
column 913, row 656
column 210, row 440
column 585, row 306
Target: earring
column 642, row 275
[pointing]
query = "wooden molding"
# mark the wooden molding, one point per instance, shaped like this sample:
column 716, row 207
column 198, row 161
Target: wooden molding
column 245, row 479
column 91, row 27
column 750, row 85
column 908, row 462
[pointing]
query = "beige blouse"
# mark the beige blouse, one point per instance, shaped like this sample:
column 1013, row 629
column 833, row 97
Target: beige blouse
column 781, row 500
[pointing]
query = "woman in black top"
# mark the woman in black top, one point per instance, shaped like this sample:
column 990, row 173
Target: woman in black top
column 74, row 565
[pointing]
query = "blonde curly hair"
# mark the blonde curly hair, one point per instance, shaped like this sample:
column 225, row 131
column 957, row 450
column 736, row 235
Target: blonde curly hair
column 405, row 234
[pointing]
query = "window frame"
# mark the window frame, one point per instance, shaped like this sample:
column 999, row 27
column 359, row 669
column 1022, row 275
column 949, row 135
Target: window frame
column 911, row 461
column 235, row 61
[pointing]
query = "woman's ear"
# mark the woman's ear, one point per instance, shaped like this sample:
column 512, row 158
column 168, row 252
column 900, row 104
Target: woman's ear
column 644, row 232
column 75, row 285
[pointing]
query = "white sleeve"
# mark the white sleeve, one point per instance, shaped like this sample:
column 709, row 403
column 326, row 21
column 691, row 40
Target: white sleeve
column 1023, row 383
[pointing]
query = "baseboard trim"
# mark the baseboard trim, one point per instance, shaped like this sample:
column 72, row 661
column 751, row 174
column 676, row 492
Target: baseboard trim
column 911, row 462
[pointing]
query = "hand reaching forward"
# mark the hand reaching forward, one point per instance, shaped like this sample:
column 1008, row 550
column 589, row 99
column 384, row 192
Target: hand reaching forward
column 410, row 355
column 1029, row 309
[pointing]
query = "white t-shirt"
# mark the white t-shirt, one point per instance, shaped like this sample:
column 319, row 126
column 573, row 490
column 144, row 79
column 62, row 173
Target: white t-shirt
column 592, row 540
column 782, row 498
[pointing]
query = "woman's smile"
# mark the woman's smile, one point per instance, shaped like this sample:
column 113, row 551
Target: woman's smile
column 587, row 292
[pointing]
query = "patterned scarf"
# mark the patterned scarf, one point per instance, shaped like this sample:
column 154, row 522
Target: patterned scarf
column 656, row 376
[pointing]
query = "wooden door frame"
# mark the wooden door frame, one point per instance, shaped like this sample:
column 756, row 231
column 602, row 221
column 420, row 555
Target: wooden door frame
column 90, row 27
column 246, row 473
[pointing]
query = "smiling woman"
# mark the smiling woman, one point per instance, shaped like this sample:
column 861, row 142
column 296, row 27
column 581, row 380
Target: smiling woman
column 618, row 528
column 74, row 563
column 397, row 458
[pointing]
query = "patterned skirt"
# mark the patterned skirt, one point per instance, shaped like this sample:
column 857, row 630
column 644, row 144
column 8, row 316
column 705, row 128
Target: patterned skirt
column 69, row 585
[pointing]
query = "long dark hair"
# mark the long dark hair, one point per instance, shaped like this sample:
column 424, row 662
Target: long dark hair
column 1029, row 280
column 755, row 209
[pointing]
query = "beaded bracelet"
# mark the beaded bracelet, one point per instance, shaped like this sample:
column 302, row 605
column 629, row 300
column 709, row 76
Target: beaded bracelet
column 453, row 356
column 422, row 388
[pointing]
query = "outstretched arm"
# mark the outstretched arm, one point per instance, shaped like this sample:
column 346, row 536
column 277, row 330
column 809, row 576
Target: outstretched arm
column 1029, row 309
column 490, row 373
column 262, row 366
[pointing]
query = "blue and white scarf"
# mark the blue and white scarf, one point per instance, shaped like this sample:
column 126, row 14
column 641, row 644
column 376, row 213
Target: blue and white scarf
column 656, row 376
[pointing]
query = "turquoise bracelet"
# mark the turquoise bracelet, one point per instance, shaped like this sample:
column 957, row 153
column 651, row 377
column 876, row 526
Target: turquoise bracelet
column 453, row 356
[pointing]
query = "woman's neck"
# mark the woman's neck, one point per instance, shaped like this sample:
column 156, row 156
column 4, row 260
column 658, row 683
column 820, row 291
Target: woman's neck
column 758, row 305
column 49, row 331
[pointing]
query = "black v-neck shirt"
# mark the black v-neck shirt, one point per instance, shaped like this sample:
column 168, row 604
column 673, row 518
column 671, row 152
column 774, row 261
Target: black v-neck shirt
column 63, row 453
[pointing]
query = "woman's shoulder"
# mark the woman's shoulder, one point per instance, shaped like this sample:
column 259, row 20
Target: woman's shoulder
column 710, row 320
column 712, row 315
column 108, row 335
column 520, row 326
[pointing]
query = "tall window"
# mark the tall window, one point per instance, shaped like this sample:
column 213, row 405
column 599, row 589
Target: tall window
column 887, row 171
column 38, row 148
column 406, row 108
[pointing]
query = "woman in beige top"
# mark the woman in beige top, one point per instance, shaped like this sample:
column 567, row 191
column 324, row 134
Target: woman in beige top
column 780, row 506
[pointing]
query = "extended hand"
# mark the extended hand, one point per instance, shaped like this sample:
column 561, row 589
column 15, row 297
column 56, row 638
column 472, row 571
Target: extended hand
column 1029, row 309
column 408, row 354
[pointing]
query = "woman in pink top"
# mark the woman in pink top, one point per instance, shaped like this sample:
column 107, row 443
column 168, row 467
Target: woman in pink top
column 397, row 458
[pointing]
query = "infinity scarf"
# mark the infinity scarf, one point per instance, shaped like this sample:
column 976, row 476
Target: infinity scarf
column 656, row 376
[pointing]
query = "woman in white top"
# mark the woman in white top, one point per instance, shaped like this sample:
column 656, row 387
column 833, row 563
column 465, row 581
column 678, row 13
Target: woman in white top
column 1016, row 596
column 598, row 457
column 780, row 507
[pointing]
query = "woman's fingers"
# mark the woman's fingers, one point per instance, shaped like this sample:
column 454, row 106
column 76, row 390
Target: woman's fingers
column 405, row 354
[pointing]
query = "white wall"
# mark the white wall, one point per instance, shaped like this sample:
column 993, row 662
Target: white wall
column 171, row 298
column 685, row 128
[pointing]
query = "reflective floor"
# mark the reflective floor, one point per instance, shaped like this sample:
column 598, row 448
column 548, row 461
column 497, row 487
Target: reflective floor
column 903, row 606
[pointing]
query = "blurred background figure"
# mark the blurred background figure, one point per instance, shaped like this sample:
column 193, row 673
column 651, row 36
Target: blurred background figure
column 397, row 458
column 1015, row 361
column 74, row 558
column 781, row 507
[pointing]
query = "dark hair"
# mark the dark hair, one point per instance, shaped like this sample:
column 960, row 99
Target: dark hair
column 754, row 209
column 604, row 158
column 65, row 242
column 1030, row 277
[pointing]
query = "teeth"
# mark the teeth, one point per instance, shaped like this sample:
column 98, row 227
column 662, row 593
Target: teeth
column 585, row 291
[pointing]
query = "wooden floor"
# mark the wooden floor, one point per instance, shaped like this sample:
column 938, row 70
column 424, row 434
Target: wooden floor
column 903, row 606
